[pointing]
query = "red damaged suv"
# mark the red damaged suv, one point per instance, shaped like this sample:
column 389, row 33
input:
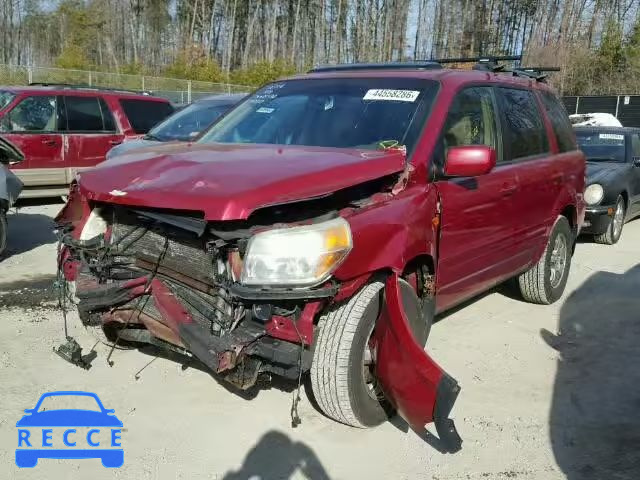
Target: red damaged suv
column 63, row 129
column 321, row 224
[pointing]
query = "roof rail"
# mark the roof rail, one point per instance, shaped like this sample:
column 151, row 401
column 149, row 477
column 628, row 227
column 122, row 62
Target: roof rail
column 345, row 67
column 81, row 86
column 480, row 59
column 487, row 63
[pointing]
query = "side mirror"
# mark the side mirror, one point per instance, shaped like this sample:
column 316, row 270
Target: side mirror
column 470, row 161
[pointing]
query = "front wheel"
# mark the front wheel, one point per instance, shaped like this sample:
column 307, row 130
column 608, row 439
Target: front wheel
column 342, row 374
column 614, row 230
column 544, row 283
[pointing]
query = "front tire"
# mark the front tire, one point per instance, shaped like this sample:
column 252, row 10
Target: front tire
column 342, row 372
column 614, row 230
column 545, row 282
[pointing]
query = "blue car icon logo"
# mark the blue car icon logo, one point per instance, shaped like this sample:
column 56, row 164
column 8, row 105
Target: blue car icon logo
column 69, row 433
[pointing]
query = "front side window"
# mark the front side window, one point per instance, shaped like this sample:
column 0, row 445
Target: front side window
column 523, row 130
column 562, row 127
column 5, row 98
column 363, row 113
column 85, row 114
column 471, row 119
column 189, row 122
column 602, row 146
column 33, row 114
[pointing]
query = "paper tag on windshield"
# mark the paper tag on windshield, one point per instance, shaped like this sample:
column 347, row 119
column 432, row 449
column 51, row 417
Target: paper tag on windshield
column 394, row 95
column 611, row 136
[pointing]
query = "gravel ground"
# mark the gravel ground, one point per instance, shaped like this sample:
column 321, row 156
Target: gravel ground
column 547, row 392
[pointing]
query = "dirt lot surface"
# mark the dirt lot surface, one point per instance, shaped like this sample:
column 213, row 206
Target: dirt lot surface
column 534, row 404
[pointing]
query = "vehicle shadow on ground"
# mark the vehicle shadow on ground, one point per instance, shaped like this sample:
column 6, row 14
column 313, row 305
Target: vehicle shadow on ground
column 28, row 231
column 595, row 413
column 277, row 457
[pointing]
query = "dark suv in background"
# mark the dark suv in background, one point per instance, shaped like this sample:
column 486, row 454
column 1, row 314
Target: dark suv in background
column 62, row 129
column 320, row 225
column 184, row 125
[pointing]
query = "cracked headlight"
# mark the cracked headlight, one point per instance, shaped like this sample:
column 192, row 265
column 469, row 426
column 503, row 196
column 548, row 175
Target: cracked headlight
column 593, row 194
column 296, row 256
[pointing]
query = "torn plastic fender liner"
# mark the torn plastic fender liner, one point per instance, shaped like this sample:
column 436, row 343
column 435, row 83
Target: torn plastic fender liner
column 414, row 383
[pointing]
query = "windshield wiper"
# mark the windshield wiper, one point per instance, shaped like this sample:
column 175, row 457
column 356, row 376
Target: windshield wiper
column 151, row 136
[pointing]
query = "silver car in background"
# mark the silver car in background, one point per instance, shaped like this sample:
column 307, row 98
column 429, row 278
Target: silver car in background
column 184, row 125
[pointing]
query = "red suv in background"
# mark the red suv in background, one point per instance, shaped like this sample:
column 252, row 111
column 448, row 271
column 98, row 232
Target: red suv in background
column 320, row 225
column 62, row 129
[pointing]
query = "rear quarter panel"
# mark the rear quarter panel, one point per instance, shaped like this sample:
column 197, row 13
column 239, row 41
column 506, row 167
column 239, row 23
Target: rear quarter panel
column 571, row 195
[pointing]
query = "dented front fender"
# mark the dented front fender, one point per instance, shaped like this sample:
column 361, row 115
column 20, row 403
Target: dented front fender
column 412, row 381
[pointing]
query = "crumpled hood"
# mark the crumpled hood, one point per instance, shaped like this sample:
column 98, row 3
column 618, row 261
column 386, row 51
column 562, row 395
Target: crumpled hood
column 228, row 182
column 603, row 172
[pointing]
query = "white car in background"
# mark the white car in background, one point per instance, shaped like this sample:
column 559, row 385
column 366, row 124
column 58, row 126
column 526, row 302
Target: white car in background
column 594, row 120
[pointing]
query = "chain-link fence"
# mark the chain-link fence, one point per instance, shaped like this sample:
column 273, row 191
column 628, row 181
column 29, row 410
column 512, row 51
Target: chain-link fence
column 174, row 89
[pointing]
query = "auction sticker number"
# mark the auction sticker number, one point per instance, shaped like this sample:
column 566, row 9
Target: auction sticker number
column 611, row 136
column 393, row 95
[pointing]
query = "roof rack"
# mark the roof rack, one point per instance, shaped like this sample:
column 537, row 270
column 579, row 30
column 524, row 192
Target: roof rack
column 81, row 86
column 344, row 67
column 487, row 63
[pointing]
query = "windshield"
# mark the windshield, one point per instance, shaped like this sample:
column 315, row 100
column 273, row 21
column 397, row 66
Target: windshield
column 335, row 112
column 602, row 147
column 188, row 122
column 5, row 98
column 69, row 402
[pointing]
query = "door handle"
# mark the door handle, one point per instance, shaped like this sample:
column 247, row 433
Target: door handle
column 115, row 142
column 50, row 142
column 508, row 189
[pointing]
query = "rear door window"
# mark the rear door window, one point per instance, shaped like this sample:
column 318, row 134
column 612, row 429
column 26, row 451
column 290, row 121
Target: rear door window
column 144, row 114
column 33, row 114
column 522, row 127
column 562, row 127
column 87, row 114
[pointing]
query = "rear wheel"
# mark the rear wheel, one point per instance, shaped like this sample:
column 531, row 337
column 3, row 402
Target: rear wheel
column 614, row 230
column 343, row 376
column 544, row 283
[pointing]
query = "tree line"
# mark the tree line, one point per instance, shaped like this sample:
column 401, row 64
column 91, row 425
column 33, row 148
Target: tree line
column 596, row 43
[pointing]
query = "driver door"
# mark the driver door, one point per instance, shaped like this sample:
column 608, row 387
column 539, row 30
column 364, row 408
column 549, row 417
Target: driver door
column 477, row 213
column 32, row 125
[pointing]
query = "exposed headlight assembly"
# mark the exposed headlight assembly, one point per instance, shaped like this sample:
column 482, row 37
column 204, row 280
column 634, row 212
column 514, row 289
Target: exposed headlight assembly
column 95, row 225
column 297, row 256
column 593, row 194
